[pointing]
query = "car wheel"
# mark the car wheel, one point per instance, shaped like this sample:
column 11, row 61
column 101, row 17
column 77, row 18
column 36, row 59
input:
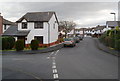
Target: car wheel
column 74, row 44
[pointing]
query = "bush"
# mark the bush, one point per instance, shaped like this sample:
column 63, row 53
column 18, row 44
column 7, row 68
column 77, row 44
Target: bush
column 7, row 42
column 34, row 44
column 11, row 42
column 19, row 45
column 108, row 32
column 4, row 43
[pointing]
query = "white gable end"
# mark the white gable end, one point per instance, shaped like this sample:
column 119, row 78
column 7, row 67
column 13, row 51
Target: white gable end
column 24, row 20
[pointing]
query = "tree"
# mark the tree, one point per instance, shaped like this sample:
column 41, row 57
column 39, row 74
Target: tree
column 66, row 26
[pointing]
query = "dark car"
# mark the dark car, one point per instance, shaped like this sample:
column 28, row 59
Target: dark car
column 77, row 40
column 69, row 42
column 80, row 37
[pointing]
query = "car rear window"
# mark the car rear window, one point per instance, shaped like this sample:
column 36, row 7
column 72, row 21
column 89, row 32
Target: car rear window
column 67, row 39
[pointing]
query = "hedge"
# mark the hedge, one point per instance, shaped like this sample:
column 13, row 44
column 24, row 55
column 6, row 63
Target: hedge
column 111, row 38
column 34, row 44
column 117, row 46
column 19, row 45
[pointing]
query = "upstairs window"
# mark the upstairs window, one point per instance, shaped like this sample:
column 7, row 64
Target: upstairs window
column 54, row 26
column 24, row 25
column 38, row 25
column 5, row 27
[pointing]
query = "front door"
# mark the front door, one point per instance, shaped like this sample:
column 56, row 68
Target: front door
column 39, row 38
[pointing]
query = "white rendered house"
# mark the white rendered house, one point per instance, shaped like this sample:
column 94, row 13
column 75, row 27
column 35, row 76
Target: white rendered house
column 42, row 26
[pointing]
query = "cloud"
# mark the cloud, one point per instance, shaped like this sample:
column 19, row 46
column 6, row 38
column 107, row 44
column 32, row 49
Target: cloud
column 85, row 14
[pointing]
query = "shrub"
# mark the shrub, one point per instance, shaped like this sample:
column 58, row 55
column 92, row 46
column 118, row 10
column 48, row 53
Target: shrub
column 7, row 42
column 34, row 44
column 19, row 45
column 4, row 43
column 11, row 42
column 108, row 32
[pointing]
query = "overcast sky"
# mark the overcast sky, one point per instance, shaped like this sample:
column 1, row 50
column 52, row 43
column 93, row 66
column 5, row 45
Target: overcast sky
column 84, row 14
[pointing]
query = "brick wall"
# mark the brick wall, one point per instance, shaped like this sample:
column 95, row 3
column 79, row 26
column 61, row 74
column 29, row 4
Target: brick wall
column 1, row 25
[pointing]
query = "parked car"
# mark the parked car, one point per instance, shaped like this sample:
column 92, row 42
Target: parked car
column 77, row 40
column 69, row 42
column 80, row 37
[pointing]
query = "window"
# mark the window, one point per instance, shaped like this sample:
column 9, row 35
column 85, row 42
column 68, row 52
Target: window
column 54, row 26
column 5, row 27
column 24, row 25
column 38, row 25
column 39, row 38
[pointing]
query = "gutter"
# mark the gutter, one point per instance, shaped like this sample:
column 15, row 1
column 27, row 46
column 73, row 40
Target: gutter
column 48, row 33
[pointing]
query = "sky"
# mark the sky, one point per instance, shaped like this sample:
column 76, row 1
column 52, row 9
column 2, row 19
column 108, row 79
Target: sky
column 84, row 14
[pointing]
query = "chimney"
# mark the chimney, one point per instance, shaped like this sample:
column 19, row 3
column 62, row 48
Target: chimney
column 1, row 24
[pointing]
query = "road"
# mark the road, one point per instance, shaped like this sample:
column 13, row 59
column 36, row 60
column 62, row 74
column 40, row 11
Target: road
column 84, row 61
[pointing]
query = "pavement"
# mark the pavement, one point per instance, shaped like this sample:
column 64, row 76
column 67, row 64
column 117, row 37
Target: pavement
column 85, row 61
column 104, row 48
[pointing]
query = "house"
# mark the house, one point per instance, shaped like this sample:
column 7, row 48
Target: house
column 42, row 26
column 89, row 31
column 80, row 31
column 71, row 33
column 4, row 24
column 99, row 29
column 96, row 31
column 112, row 24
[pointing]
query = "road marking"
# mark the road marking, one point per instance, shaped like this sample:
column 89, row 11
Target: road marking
column 51, row 54
column 55, row 76
column 54, row 71
column 53, row 66
column 54, row 63
column 48, row 57
column 56, row 52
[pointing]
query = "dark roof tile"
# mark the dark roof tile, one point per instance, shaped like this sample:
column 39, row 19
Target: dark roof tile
column 37, row 16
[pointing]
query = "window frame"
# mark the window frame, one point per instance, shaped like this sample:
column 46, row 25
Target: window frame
column 5, row 26
column 24, row 27
column 38, row 25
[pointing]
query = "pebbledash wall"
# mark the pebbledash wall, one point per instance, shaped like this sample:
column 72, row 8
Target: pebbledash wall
column 51, row 25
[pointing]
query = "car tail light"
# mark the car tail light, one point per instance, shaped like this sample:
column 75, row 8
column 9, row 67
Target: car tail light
column 71, row 41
